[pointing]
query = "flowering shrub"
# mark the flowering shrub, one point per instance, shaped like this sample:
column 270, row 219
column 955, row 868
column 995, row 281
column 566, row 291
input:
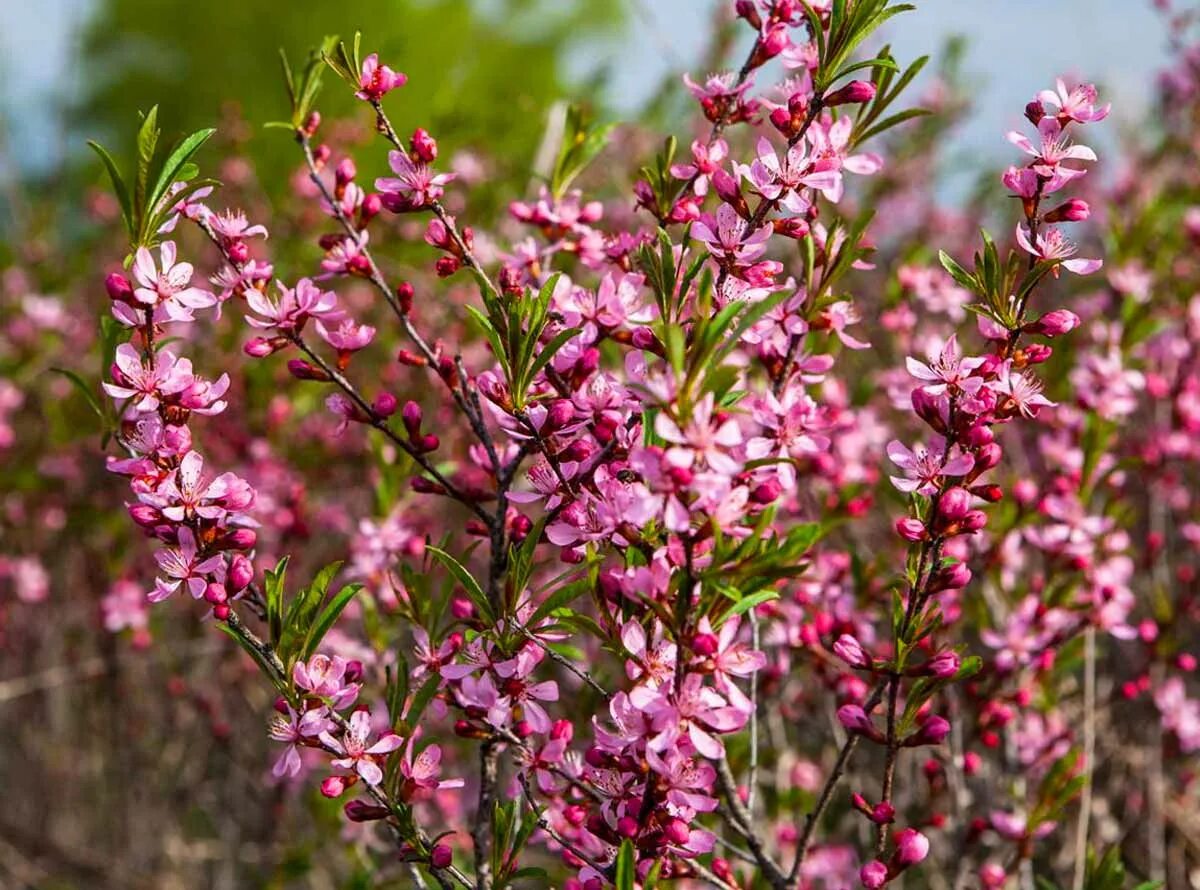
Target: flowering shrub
column 748, row 538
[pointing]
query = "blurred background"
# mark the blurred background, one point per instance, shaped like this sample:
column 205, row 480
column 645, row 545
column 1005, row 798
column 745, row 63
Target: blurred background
column 125, row 764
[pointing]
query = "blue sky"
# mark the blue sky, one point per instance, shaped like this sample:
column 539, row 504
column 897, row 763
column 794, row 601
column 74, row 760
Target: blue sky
column 1015, row 48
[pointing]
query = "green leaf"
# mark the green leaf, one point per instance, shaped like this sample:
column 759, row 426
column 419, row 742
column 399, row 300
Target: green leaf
column 147, row 142
column 273, row 595
column 421, row 700
column 118, row 183
column 173, row 167
column 466, row 580
column 624, row 868
column 327, row 618
column 80, row 384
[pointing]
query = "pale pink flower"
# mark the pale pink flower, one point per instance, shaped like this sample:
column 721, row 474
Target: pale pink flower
column 924, row 468
column 1053, row 246
column 355, row 751
column 182, row 565
column 414, row 186
column 168, row 286
column 348, row 336
column 375, row 81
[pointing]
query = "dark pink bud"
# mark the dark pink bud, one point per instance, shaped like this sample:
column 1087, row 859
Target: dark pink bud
column 677, row 832
column 361, row 811
column 1034, row 112
column 345, row 171
column 952, row 577
column 929, row 409
column 1054, row 324
column 385, row 404
column 873, row 875
column 118, row 287
column 643, row 338
column 944, row 665
column 145, row 515
column 883, row 813
column 910, row 529
column 853, row 93
column 973, row 521
column 705, row 645
column 954, row 504
column 302, row 370
column 748, row 10
column 215, row 594
column 627, row 826
column 334, row 786
column 1074, row 210
column 978, row 436
column 424, row 146
column 911, row 847
column 412, row 417
column 221, row 612
column 241, row 572
column 774, row 41
column 987, row 457
column 767, row 492
column 850, row 650
column 242, row 539
column 441, row 856
column 560, row 414
column 258, row 347
column 238, row 252
column 855, row 719
column 370, row 208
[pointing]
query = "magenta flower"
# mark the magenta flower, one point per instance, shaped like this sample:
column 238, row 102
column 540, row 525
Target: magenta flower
column 348, row 336
column 185, row 494
column 375, row 81
column 1022, row 389
column 1078, row 104
column 706, row 160
column 355, row 751
column 295, row 730
column 324, row 677
column 703, row 437
column 149, row 384
column 727, row 238
column 1054, row 149
column 784, row 180
column 947, row 370
column 421, row 774
column 924, row 468
column 232, row 225
column 1053, row 246
column 293, row 308
column 414, row 186
column 182, row 565
column 169, row 286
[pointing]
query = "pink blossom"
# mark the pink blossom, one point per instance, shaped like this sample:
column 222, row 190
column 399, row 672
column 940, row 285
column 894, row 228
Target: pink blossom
column 1053, row 246
column 375, row 81
column 168, row 287
column 925, row 468
column 413, row 187
column 355, row 751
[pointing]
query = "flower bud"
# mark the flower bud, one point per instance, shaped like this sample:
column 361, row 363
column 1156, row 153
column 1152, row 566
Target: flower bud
column 944, row 665
column 910, row 529
column 238, row 252
column 424, row 146
column 1074, row 210
column 215, row 594
column 911, row 847
column 302, row 370
column 855, row 720
column 441, row 856
column 775, row 41
column 258, row 347
column 241, row 539
column 385, row 404
column 767, row 492
column 987, row 457
column 334, row 786
column 705, row 645
column 677, row 832
column 627, row 826
column 241, row 572
column 953, row 504
column 873, row 875
column 849, row 650
column 1054, row 324
column 119, row 288
column 361, row 811
column 952, row 577
column 853, row 93
column 221, row 612
column 345, row 171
